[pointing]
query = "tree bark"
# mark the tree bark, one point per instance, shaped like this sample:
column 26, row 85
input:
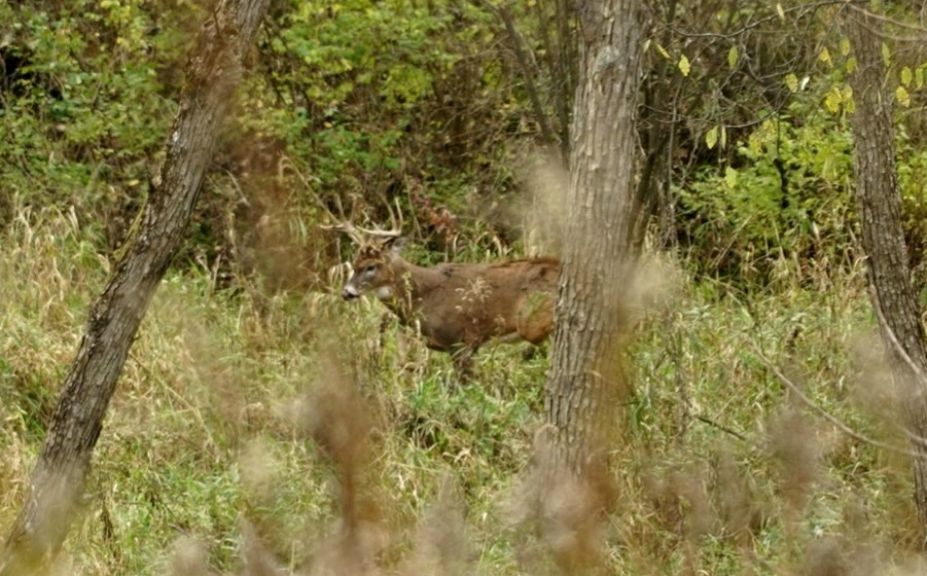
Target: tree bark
column 58, row 479
column 879, row 203
column 601, row 214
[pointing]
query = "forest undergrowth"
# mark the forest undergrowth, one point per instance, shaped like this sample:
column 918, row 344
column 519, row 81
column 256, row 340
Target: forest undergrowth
column 290, row 432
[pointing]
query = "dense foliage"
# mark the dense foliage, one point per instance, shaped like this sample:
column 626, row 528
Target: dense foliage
column 359, row 108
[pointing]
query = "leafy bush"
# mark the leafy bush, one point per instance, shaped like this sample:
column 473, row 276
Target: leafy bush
column 783, row 198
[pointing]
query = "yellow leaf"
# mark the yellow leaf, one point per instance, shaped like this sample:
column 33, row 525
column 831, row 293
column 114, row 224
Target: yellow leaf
column 851, row 65
column 711, row 138
column 792, row 82
column 833, row 99
column 730, row 177
column 902, row 96
column 723, row 137
column 824, row 57
column 906, row 76
column 919, row 77
column 845, row 46
column 780, row 11
column 733, row 56
column 684, row 65
column 662, row 51
column 886, row 54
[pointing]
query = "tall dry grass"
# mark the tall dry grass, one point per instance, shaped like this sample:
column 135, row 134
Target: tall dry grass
column 261, row 432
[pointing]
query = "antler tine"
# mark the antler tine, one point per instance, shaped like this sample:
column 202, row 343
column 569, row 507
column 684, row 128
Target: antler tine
column 380, row 233
column 397, row 223
column 394, row 232
column 358, row 233
column 347, row 228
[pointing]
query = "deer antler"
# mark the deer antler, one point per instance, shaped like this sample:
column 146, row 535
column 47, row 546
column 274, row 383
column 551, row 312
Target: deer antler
column 358, row 233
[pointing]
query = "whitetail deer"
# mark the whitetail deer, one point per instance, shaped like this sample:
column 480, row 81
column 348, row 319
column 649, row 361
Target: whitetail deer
column 457, row 307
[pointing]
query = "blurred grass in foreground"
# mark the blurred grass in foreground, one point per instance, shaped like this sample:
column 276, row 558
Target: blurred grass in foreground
column 208, row 454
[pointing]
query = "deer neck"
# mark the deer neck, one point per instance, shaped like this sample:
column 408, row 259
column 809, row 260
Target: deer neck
column 410, row 284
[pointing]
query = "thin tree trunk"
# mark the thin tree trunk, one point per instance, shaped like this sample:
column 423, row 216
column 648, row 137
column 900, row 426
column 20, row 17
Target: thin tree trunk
column 523, row 60
column 57, row 482
column 597, row 254
column 597, row 262
column 879, row 202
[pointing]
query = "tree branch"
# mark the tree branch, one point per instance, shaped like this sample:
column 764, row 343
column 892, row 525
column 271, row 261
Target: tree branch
column 57, row 483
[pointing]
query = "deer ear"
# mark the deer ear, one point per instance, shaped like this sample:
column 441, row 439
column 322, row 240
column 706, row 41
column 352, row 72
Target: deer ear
column 395, row 244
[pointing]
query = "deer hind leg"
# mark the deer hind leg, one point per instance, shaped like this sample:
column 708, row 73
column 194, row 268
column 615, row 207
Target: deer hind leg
column 530, row 352
column 463, row 363
column 535, row 317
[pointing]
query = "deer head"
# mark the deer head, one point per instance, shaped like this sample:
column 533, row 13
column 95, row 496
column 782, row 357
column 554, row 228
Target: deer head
column 372, row 270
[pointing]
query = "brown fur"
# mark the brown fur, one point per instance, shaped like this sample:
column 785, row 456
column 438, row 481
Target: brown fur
column 459, row 307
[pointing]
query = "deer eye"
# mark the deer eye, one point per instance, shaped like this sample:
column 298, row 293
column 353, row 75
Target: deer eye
column 368, row 269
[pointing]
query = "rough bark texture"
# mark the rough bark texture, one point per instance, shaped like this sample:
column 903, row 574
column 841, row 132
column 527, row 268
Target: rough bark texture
column 597, row 254
column 57, row 482
column 879, row 203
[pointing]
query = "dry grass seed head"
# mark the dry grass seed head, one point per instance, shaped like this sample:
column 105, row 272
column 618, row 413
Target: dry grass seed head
column 543, row 208
column 741, row 513
column 793, row 443
column 566, row 510
column 440, row 543
column 338, row 419
column 189, row 558
column 258, row 468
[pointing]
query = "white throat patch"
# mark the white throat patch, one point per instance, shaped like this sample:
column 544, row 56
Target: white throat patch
column 384, row 292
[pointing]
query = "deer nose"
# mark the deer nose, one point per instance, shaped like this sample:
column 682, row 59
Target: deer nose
column 349, row 292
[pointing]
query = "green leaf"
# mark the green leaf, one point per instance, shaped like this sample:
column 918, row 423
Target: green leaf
column 711, row 138
column 733, row 56
column 886, row 54
column 792, row 82
column 902, row 96
column 906, row 76
column 919, row 77
column 684, row 65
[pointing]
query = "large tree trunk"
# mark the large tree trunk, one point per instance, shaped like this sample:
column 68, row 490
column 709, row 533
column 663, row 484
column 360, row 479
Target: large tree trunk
column 57, row 481
column 879, row 203
column 601, row 216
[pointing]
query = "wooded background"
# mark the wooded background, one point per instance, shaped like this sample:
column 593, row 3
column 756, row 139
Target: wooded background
column 458, row 116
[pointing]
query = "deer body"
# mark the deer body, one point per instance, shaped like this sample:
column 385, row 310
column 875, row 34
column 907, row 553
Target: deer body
column 459, row 307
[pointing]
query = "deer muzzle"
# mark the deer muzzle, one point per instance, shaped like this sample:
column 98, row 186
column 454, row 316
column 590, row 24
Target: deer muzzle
column 349, row 292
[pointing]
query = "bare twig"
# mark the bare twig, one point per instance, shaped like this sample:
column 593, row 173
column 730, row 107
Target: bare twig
column 899, row 349
column 889, row 19
column 839, row 424
column 760, row 21
column 720, row 427
column 524, row 64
